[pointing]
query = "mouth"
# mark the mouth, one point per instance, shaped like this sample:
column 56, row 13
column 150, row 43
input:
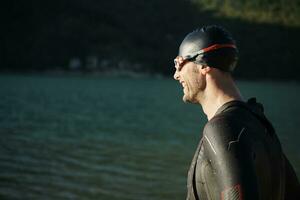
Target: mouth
column 182, row 84
column 184, row 88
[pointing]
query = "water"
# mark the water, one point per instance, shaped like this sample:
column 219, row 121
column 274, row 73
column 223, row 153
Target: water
column 113, row 138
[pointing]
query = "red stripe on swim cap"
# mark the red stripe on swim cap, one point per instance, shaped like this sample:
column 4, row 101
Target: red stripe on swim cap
column 217, row 46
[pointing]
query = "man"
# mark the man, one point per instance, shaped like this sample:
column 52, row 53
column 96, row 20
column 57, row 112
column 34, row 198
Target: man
column 239, row 155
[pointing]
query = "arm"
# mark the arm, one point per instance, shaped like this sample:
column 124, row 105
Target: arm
column 227, row 149
column 292, row 187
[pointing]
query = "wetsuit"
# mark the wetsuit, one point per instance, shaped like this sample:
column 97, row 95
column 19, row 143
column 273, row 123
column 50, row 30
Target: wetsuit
column 240, row 157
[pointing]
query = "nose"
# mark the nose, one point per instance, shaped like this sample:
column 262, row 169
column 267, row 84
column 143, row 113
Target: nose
column 176, row 75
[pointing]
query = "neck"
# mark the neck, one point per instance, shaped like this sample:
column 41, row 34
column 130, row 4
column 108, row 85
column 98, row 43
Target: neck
column 218, row 91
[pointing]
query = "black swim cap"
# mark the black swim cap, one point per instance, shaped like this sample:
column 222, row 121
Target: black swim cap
column 212, row 46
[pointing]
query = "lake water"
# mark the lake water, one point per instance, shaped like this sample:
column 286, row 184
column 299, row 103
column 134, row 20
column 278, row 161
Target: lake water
column 113, row 138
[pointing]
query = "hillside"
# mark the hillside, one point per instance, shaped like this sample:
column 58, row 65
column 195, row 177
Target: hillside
column 144, row 35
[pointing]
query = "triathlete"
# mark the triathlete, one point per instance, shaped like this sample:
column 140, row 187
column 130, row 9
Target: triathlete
column 239, row 156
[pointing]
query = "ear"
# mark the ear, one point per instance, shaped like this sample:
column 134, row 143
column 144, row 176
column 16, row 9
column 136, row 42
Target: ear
column 205, row 69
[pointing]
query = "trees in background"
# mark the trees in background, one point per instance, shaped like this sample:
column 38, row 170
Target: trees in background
column 145, row 35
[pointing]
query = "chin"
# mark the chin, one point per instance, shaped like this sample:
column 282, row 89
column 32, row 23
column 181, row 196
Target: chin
column 188, row 99
column 186, row 96
column 184, row 99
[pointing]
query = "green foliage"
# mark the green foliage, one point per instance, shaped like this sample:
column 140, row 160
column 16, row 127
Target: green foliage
column 284, row 12
column 145, row 35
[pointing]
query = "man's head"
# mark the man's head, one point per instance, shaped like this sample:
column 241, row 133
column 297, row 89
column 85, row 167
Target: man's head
column 210, row 48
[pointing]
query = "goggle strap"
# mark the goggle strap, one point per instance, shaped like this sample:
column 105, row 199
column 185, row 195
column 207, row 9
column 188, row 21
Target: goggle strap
column 218, row 46
column 211, row 48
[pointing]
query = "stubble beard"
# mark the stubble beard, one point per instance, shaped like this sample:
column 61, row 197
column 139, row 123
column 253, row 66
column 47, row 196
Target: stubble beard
column 189, row 98
column 193, row 94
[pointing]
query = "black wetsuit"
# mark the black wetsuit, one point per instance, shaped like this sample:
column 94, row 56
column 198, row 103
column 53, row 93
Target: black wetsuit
column 240, row 157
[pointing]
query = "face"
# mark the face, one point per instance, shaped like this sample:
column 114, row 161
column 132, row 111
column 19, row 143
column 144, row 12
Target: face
column 189, row 76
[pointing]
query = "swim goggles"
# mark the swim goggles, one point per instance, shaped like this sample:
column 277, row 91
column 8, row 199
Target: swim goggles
column 180, row 61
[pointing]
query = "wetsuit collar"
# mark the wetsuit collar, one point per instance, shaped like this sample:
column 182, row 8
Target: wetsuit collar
column 229, row 104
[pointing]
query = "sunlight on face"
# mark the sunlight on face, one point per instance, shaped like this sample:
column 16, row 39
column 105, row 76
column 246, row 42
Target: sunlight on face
column 192, row 82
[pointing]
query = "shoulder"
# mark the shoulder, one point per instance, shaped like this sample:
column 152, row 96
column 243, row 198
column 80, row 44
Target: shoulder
column 223, row 126
column 220, row 131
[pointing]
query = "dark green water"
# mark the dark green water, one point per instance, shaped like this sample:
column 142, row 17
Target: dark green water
column 113, row 138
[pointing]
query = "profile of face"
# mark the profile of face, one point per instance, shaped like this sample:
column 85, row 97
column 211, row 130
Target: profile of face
column 190, row 77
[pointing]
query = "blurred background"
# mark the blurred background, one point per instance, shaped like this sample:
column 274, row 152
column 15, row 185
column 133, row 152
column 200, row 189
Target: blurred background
column 88, row 107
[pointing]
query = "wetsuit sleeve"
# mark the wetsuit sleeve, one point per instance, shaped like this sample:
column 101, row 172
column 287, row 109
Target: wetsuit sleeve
column 292, row 187
column 225, row 148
